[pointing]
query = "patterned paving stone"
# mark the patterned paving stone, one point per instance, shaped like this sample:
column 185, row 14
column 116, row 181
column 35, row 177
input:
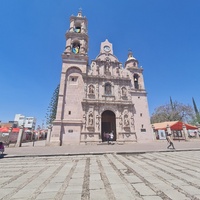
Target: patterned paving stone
column 156, row 176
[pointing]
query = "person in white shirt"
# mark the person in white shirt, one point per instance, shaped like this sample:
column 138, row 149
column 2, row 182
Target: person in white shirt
column 111, row 136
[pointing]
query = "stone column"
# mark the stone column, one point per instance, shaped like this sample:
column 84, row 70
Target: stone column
column 153, row 131
column 185, row 132
column 47, row 143
column 19, row 138
column 9, row 136
column 198, row 131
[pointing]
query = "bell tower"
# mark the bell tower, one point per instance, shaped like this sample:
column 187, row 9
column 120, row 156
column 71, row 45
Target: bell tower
column 131, row 64
column 68, row 122
column 76, row 37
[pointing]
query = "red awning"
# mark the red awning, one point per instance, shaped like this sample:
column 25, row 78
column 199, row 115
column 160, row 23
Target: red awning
column 4, row 129
column 174, row 125
column 15, row 130
column 190, row 127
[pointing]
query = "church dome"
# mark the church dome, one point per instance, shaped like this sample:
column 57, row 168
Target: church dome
column 130, row 56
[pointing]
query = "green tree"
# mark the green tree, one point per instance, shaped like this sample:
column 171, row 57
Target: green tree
column 174, row 111
column 52, row 108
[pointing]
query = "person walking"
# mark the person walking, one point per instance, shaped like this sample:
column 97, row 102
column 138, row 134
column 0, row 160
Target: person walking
column 1, row 147
column 111, row 136
column 168, row 138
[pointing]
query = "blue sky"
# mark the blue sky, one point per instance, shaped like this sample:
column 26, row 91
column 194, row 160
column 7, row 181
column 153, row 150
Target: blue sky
column 164, row 36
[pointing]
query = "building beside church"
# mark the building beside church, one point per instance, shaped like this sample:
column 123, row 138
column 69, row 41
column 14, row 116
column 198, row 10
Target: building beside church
column 101, row 97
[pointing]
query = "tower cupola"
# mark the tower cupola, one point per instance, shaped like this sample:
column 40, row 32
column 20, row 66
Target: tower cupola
column 131, row 62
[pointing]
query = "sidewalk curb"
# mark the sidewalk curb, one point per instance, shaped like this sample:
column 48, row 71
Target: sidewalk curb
column 99, row 153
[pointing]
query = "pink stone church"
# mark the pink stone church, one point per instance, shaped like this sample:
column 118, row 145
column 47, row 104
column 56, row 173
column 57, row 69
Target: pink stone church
column 100, row 97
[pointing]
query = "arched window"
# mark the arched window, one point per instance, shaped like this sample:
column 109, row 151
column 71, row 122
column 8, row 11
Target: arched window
column 108, row 89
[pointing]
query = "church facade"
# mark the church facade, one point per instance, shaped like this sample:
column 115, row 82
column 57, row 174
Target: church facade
column 101, row 97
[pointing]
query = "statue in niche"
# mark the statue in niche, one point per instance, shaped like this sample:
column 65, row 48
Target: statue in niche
column 124, row 91
column 126, row 120
column 90, row 122
column 107, row 65
column 91, row 89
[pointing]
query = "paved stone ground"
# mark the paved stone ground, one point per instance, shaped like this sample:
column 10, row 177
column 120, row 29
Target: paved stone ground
column 39, row 148
column 149, row 176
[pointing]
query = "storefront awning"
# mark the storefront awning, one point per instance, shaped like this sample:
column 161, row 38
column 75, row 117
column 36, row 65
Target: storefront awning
column 174, row 125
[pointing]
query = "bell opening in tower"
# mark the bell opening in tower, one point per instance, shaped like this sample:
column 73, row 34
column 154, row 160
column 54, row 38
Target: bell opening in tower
column 77, row 29
column 75, row 47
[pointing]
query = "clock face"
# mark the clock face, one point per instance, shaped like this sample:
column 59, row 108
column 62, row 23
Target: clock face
column 106, row 48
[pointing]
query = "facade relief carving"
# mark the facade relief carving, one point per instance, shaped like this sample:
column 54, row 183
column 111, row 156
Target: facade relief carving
column 97, row 122
column 126, row 120
column 84, row 122
column 120, row 122
column 90, row 120
column 124, row 91
column 132, row 122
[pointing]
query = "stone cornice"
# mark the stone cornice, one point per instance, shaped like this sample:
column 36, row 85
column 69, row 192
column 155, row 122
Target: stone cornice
column 113, row 78
column 70, row 34
column 69, row 58
column 117, row 102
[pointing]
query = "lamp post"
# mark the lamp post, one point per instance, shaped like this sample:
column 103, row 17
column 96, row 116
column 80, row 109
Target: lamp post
column 33, row 137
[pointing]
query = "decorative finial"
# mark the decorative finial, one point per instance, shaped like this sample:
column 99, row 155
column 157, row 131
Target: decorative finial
column 130, row 53
column 79, row 12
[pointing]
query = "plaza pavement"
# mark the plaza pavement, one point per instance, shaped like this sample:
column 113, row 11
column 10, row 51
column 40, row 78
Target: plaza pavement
column 141, row 171
column 40, row 149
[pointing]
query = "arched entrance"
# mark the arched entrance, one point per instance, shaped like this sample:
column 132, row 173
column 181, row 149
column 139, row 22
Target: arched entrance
column 108, row 124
